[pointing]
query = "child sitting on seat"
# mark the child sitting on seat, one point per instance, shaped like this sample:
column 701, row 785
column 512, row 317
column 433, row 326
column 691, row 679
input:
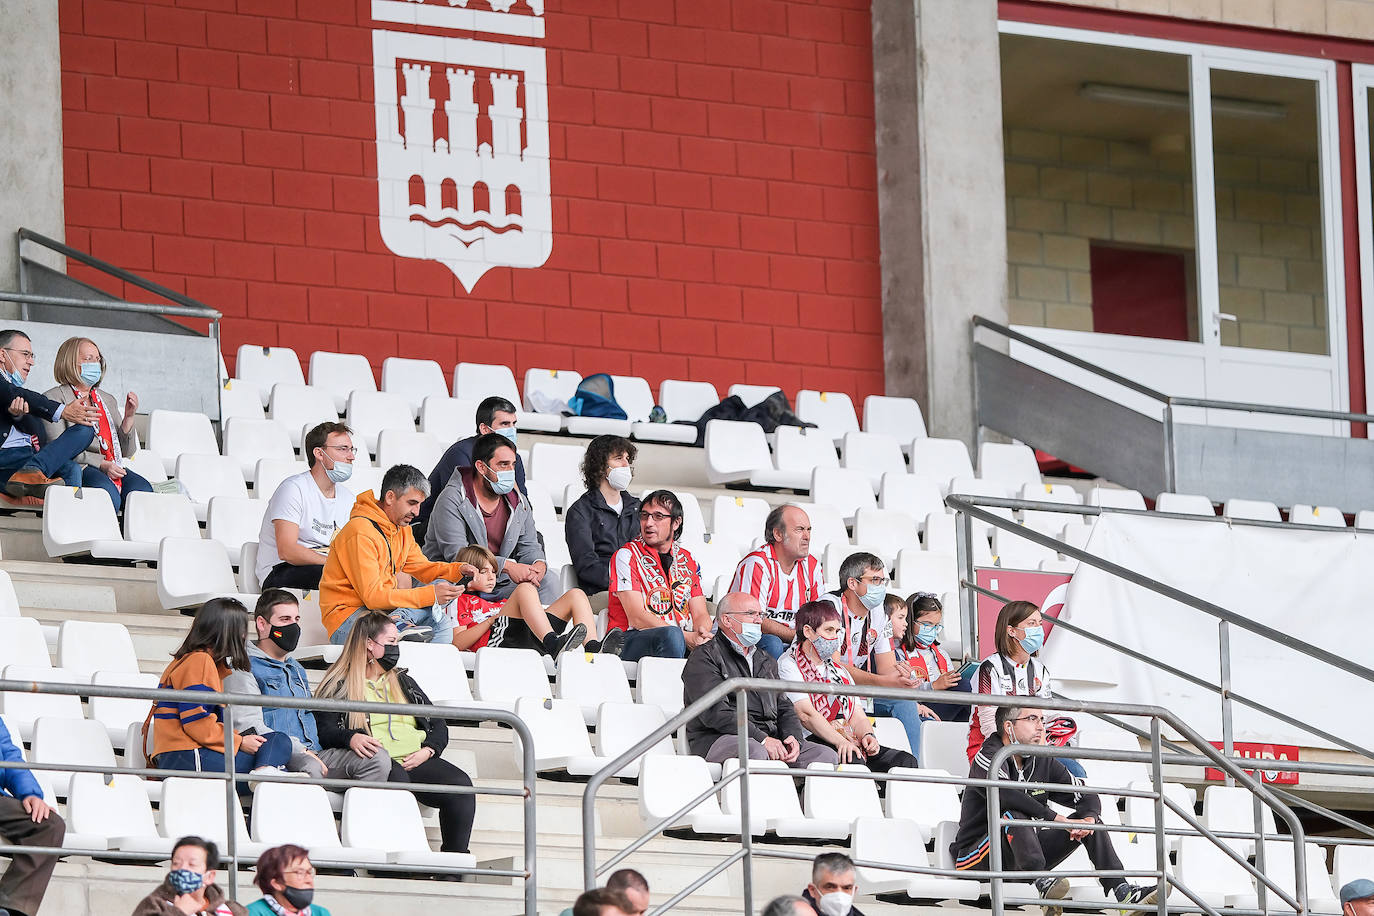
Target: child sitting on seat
column 521, row 622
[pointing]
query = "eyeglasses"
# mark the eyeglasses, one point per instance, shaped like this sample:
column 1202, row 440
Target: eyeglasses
column 300, row 872
column 741, row 615
column 1033, row 720
column 656, row 516
column 27, row 354
column 874, row 580
column 348, row 450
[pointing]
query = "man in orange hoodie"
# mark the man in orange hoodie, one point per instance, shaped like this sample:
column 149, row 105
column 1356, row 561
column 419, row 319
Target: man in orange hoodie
column 371, row 549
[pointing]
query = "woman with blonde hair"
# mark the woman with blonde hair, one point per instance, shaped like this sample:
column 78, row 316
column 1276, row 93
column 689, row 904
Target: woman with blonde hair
column 367, row 671
column 79, row 369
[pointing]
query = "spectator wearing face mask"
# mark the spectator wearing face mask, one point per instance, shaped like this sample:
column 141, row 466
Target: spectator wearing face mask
column 366, row 672
column 494, row 415
column 307, row 510
column 481, row 505
column 286, row 878
column 604, row 518
column 29, row 461
column 833, row 885
column 920, row 650
column 190, row 887
column 274, row 673
column 79, row 369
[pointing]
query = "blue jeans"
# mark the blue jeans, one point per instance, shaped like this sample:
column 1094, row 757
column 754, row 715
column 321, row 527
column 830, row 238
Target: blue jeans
column 773, row 645
column 275, row 752
column 56, row 459
column 442, row 631
column 903, row 711
column 1074, row 767
column 92, row 476
column 659, row 642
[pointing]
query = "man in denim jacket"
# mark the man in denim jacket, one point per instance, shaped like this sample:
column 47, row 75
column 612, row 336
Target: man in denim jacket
column 276, row 674
column 26, row 820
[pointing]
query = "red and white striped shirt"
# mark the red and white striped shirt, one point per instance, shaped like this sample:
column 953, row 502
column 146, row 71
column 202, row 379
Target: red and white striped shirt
column 780, row 594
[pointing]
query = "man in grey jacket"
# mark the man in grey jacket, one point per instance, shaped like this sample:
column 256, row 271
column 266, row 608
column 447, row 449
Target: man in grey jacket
column 775, row 732
column 481, row 505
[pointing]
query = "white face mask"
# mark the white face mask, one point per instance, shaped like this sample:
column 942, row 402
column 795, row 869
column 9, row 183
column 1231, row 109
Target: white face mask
column 836, row 904
column 619, row 478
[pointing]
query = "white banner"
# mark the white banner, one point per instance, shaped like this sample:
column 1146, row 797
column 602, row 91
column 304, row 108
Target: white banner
column 1313, row 586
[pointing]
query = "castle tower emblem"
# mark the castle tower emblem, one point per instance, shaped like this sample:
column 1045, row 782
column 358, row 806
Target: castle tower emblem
column 463, row 133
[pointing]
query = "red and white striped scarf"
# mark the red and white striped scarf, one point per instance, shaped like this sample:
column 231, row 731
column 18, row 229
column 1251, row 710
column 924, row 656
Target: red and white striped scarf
column 662, row 597
column 835, row 708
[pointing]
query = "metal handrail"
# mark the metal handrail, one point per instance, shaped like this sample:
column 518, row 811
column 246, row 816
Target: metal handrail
column 230, row 777
column 741, row 687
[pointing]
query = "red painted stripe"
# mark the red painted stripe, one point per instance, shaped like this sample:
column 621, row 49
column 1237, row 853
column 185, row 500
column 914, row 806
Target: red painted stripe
column 1350, row 228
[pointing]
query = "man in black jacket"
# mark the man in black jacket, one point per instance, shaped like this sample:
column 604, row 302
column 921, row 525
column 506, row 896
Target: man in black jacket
column 494, row 415
column 28, row 465
column 605, row 518
column 775, row 732
column 1036, row 848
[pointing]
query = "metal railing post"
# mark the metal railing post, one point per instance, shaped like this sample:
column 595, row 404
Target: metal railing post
column 1259, row 847
column 231, row 803
column 995, row 889
column 968, row 601
column 531, row 845
column 1227, row 734
column 746, row 822
column 1170, row 458
column 1161, row 844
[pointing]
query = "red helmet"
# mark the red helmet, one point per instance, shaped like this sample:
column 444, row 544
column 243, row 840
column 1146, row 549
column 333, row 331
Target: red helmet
column 1059, row 730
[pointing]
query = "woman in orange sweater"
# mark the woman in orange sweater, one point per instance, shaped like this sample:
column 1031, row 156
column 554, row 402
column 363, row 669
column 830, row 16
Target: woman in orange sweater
column 190, row 736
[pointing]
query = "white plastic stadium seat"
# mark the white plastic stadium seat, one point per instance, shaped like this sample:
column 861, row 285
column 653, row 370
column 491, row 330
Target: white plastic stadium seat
column 150, row 517
column 637, row 399
column 829, row 798
column 900, row 841
column 632, row 394
column 196, row 807
column 752, row 394
column 738, row 520
column 173, row 433
column 832, row 411
column 502, row 676
column 117, row 714
column 555, row 384
column 1140, row 812
column 370, row 412
column 1353, row 862
column 234, row 521
column 77, row 742
column 897, row 417
column 940, row 461
column 559, row 733
column 266, row 366
column 298, row 407
column 403, row 446
column 414, row 380
column 555, row 466
column 773, row 797
column 876, row 454
column 81, row 520
column 827, row 526
column 207, row 476
column 192, row 571
column 1016, row 552
column 1231, row 809
column 941, row 537
column 924, row 803
column 249, row 441
column 289, row 813
column 922, row 570
column 240, row 399
column 1255, row 509
column 148, row 464
column 1184, row 504
column 1116, row 498
column 22, row 709
column 895, row 530
column 118, row 811
column 341, row 374
column 659, row 683
column 22, row 643
column 9, row 601
column 448, row 419
column 686, row 401
column 390, row 819
column 87, row 646
column 1280, row 867
column 1364, row 519
column 735, row 450
column 667, row 783
column 1210, row 873
column 1049, row 522
column 908, row 493
column 796, row 453
column 944, row 746
column 1009, row 464
column 1325, row 516
column 270, row 472
column 587, row 681
column 440, row 672
column 620, row 726
column 479, row 381
column 891, row 733
column 846, row 490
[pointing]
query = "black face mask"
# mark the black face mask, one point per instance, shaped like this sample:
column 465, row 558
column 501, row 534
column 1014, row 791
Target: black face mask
column 391, row 656
column 299, row 897
column 286, row 637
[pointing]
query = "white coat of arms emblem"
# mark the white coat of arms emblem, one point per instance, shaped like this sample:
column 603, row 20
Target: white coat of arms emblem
column 463, row 133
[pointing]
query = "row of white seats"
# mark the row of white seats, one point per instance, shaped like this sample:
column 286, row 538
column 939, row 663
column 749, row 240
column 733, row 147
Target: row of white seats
column 81, row 521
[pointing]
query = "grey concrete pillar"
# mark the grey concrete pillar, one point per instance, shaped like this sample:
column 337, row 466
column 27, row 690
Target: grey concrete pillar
column 941, row 196
column 31, row 138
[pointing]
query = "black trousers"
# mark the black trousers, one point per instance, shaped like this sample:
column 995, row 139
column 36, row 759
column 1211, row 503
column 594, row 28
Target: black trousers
column 26, row 880
column 881, row 762
column 455, row 811
column 284, row 575
column 1039, row 848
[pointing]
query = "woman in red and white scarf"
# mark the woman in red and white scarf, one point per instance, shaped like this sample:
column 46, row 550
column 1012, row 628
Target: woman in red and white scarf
column 79, row 369
column 836, row 721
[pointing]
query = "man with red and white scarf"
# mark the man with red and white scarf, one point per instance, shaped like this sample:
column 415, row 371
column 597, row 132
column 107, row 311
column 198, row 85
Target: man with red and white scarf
column 656, row 586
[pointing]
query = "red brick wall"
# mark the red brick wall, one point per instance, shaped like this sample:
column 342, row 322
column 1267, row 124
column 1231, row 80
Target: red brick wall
column 714, row 203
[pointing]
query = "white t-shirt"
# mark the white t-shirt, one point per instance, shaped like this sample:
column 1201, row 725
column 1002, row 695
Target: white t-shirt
column 788, row 671
column 299, row 500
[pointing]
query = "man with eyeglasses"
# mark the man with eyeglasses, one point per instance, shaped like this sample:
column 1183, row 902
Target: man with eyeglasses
column 29, row 464
column 306, row 511
column 656, row 586
column 775, row 731
column 1036, row 848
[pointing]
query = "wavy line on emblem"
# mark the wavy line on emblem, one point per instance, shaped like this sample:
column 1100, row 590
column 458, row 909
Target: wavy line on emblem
column 480, row 224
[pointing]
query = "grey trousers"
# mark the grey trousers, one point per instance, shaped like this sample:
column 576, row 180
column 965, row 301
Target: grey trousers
column 727, row 748
column 344, row 764
column 26, row 879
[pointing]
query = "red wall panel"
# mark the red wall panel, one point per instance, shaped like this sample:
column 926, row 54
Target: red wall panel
column 712, row 174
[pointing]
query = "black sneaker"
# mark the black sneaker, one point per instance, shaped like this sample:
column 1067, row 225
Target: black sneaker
column 571, row 638
column 1052, row 888
column 613, row 643
column 1136, row 893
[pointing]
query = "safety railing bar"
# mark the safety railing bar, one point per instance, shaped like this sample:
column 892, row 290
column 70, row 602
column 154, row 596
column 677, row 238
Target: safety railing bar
column 1231, row 853
column 28, row 235
column 1173, row 881
column 114, row 305
column 1248, row 407
column 690, row 889
column 959, row 503
column 1349, row 823
column 938, row 872
column 980, row 321
column 667, row 822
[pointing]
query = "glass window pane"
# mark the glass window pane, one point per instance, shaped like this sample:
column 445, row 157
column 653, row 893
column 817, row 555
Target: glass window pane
column 1270, row 260
column 1100, row 227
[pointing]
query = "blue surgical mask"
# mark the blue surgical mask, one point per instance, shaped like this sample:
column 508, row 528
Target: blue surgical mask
column 504, row 482
column 927, row 633
column 750, row 632
column 508, row 432
column 185, row 881
column 873, row 598
column 15, row 378
column 825, row 648
column 1033, row 640
column 339, row 472
column 90, row 373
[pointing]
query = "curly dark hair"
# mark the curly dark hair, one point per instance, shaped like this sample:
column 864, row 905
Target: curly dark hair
column 599, row 453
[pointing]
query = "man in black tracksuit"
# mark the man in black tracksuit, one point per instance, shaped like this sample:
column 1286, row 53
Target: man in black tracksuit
column 1036, row 848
